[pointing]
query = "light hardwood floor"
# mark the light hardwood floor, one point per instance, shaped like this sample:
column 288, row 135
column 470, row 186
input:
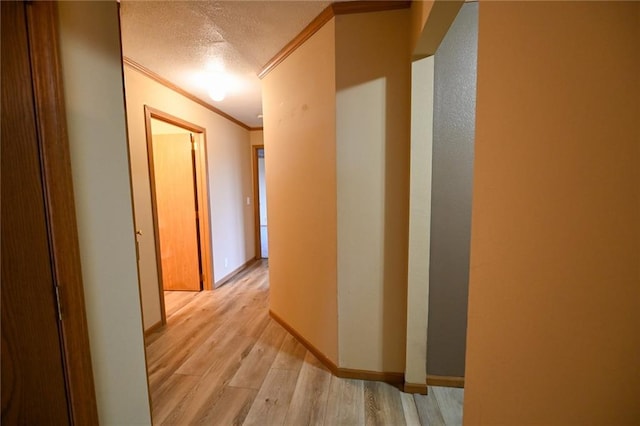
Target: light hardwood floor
column 221, row 360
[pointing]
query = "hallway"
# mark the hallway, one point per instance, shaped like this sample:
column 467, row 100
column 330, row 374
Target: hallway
column 221, row 360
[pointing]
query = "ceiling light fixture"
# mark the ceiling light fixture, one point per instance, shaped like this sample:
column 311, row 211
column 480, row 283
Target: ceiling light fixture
column 217, row 82
column 221, row 82
column 217, row 93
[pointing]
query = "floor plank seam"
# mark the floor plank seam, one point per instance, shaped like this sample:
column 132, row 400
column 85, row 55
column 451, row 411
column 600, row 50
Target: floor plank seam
column 241, row 367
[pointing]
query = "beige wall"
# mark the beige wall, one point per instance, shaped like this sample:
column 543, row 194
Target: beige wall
column 256, row 137
column 229, row 177
column 299, row 137
column 422, row 90
column 430, row 20
column 420, row 10
column 373, row 83
column 90, row 53
column 338, row 188
column 554, row 305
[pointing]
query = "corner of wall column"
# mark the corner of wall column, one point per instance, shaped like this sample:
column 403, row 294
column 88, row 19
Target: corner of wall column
column 422, row 72
column 419, row 13
column 430, row 22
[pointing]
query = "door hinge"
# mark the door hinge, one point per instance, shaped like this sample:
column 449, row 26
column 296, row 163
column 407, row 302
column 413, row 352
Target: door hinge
column 201, row 278
column 194, row 145
column 59, row 305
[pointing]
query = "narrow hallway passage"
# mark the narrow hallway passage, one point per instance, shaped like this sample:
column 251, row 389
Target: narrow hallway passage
column 221, row 360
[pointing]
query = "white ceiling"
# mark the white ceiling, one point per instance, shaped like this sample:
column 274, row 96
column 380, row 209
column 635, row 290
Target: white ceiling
column 183, row 40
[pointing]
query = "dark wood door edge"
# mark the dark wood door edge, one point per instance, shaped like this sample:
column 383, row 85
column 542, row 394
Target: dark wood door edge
column 60, row 207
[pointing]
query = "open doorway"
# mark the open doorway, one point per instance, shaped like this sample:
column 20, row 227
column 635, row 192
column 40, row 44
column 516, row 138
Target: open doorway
column 260, row 204
column 179, row 200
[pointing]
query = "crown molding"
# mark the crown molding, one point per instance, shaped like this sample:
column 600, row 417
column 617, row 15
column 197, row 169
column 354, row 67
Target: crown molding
column 169, row 85
column 338, row 8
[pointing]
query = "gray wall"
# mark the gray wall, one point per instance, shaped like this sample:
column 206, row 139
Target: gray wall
column 453, row 138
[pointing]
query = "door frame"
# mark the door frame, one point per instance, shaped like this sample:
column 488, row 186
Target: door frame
column 202, row 195
column 60, row 212
column 256, row 200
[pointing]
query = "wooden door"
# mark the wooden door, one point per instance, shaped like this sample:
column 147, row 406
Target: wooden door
column 173, row 164
column 33, row 376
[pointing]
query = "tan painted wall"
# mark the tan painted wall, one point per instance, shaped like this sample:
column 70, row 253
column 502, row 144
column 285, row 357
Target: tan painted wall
column 229, row 173
column 554, row 305
column 420, row 10
column 90, row 53
column 256, row 137
column 422, row 91
column 299, row 137
column 430, row 21
column 373, row 83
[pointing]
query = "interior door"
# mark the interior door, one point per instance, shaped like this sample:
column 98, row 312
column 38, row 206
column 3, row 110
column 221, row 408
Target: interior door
column 174, row 176
column 33, row 383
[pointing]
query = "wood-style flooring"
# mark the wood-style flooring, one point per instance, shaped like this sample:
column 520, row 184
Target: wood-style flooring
column 221, row 360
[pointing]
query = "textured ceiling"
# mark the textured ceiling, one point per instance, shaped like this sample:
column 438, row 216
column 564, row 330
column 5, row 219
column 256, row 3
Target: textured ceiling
column 183, row 41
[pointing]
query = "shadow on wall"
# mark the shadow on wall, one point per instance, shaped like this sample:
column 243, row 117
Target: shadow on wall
column 452, row 185
column 373, row 83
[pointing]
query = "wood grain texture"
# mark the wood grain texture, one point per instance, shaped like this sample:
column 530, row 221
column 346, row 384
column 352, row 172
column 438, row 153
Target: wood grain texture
column 255, row 369
column 446, row 381
column 231, row 275
column 190, row 407
column 61, row 213
column 199, row 361
column 428, row 409
column 291, row 354
column 221, row 359
column 380, row 376
column 154, row 214
column 204, row 214
column 382, row 404
column 173, row 178
column 310, row 347
column 182, row 339
column 162, row 358
column 409, row 409
column 152, row 329
column 230, row 408
column 450, row 403
column 345, row 404
column 162, row 396
column 31, row 351
column 39, row 236
column 309, row 402
column 201, row 183
column 415, row 388
column 272, row 403
column 347, row 373
column 177, row 300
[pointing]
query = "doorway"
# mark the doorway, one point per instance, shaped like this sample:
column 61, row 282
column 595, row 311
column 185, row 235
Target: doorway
column 180, row 204
column 46, row 373
column 260, row 203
